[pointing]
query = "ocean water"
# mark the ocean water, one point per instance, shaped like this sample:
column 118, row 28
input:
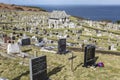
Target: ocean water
column 89, row 12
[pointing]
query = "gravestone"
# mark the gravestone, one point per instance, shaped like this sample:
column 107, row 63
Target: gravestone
column 89, row 55
column 18, row 35
column 36, row 32
column 40, row 39
column 23, row 29
column 48, row 34
column 83, row 45
column 52, row 41
column 21, row 34
column 68, row 36
column 117, row 44
column 13, row 33
column 3, row 27
column 109, row 47
column 6, row 38
column 62, row 46
column 112, row 47
column 3, row 78
column 27, row 28
column 14, row 28
column 13, row 38
column 26, row 41
column 38, row 68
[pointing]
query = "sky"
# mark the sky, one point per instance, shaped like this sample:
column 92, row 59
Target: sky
column 63, row 2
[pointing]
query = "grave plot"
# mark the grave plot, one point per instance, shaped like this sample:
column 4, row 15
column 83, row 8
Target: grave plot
column 38, row 68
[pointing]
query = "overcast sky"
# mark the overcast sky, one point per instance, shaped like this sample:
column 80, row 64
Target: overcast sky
column 64, row 2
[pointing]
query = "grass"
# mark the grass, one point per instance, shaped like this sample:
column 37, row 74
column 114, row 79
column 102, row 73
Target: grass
column 110, row 31
column 11, row 68
column 59, row 67
column 82, row 37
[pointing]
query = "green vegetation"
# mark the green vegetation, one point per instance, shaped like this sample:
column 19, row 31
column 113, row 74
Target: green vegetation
column 61, row 66
column 36, row 8
column 110, row 31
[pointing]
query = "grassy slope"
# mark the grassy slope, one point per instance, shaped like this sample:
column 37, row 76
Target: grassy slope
column 59, row 67
column 110, row 31
column 20, row 7
column 11, row 69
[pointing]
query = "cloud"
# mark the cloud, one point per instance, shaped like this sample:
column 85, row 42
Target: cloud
column 61, row 1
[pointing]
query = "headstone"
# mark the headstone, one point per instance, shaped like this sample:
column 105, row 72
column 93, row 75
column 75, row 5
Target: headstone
column 38, row 68
column 23, row 29
column 4, row 79
column 62, row 46
column 36, row 32
column 112, row 47
column 13, row 48
column 68, row 36
column 27, row 28
column 6, row 39
column 14, row 28
column 21, row 34
column 109, row 47
column 13, row 38
column 56, row 33
column 89, row 55
column 40, row 39
column 24, row 35
column 52, row 41
column 4, row 35
column 117, row 44
column 14, row 33
column 45, row 31
column 26, row 41
column 3, row 27
column 83, row 45
column 48, row 34
column 18, row 35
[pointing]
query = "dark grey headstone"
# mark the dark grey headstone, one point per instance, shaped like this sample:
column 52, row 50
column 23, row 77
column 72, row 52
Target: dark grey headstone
column 109, row 47
column 13, row 37
column 14, row 28
column 62, row 46
column 21, row 34
column 38, row 68
column 89, row 55
column 18, row 35
column 26, row 41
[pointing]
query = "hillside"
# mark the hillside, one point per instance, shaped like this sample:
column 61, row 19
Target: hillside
column 59, row 67
column 21, row 8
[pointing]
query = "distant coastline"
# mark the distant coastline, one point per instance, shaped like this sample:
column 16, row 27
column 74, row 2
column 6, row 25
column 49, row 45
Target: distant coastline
column 109, row 13
column 92, row 12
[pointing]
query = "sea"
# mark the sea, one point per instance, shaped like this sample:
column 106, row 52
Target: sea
column 92, row 12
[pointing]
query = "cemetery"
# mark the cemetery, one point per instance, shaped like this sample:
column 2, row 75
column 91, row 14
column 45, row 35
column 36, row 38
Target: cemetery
column 57, row 46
